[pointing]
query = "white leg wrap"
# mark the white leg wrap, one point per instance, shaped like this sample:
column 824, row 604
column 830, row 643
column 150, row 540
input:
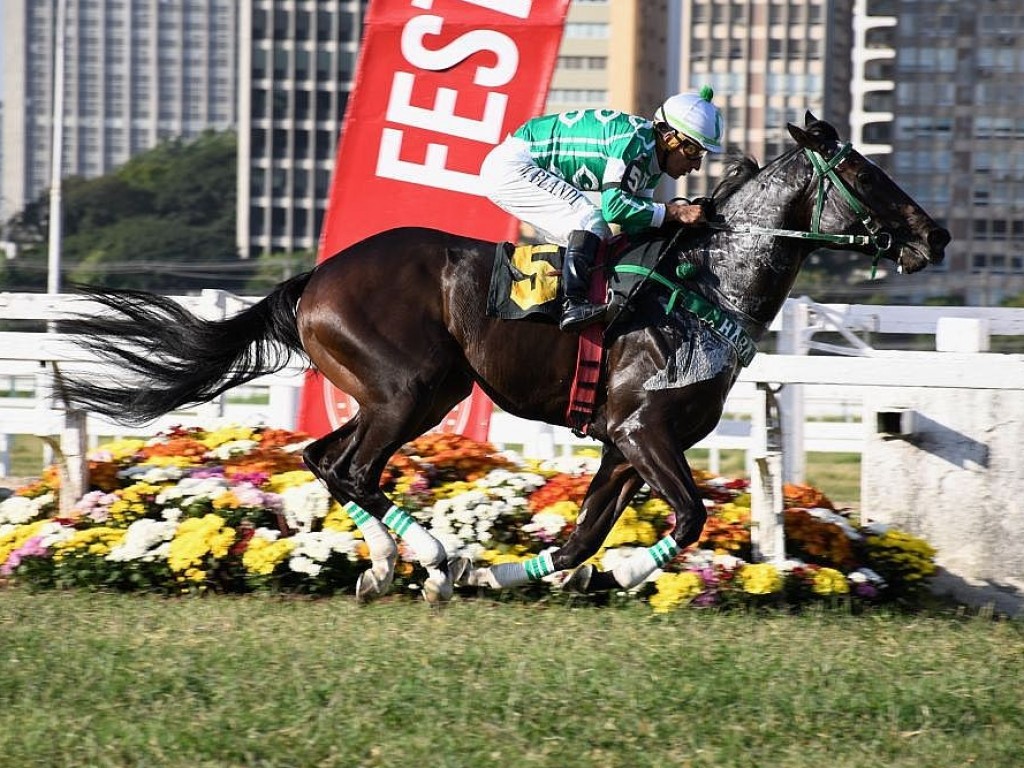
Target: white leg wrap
column 507, row 575
column 633, row 571
column 383, row 554
column 429, row 551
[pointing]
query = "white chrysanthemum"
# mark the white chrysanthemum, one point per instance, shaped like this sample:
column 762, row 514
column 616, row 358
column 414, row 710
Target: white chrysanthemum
column 305, row 503
column 545, row 525
column 319, row 546
column 225, row 451
column 266, row 533
column 192, row 489
column 729, row 562
column 51, row 534
column 866, row 576
column 18, row 510
column 304, row 565
column 572, row 465
column 142, row 540
column 877, row 529
column 148, row 473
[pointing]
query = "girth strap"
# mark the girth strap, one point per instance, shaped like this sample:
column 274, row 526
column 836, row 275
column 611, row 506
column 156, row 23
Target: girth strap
column 717, row 318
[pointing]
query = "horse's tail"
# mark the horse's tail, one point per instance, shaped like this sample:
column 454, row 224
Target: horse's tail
column 167, row 357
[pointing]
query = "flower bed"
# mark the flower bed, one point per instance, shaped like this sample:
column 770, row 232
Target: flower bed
column 233, row 510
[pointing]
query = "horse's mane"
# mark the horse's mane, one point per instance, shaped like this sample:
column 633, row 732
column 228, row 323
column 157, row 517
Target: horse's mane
column 739, row 171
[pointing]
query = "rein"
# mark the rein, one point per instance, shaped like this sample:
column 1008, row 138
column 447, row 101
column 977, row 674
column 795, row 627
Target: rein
column 825, row 171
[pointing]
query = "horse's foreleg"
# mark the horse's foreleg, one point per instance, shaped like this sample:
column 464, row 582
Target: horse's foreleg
column 662, row 463
column 610, row 491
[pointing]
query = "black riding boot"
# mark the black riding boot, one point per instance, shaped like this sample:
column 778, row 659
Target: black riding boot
column 580, row 254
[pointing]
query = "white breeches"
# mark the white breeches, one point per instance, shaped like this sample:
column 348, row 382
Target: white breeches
column 516, row 184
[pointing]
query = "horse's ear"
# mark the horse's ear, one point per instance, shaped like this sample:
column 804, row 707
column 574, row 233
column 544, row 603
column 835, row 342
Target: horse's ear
column 812, row 140
column 809, row 117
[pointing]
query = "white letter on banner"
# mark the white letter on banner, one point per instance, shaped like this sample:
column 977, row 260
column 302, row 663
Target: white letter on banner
column 442, row 117
column 519, row 8
column 431, row 174
column 460, row 49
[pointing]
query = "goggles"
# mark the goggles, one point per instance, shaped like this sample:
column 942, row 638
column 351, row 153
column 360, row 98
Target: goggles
column 687, row 146
column 691, row 149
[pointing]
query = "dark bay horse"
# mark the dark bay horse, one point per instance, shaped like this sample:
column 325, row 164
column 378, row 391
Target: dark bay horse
column 398, row 322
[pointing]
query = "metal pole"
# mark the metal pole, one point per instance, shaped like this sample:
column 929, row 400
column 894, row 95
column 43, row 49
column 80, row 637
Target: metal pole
column 57, row 151
column 73, row 437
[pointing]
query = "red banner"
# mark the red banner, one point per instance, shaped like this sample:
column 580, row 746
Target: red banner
column 438, row 84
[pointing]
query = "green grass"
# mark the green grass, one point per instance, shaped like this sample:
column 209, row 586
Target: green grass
column 837, row 475
column 115, row 680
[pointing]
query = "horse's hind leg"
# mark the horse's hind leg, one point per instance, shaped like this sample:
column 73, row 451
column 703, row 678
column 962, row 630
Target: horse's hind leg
column 319, row 456
column 350, row 462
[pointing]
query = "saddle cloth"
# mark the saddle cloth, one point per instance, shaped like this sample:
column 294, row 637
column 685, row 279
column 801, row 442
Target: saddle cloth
column 526, row 282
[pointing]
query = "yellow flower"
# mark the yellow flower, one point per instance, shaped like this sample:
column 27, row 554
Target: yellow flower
column 655, row 510
column 337, row 519
column 760, row 578
column 96, row 541
column 262, row 556
column 196, row 538
column 119, row 449
column 631, row 530
column 829, row 581
column 284, row 480
column 674, row 590
column 733, row 513
column 516, row 554
column 14, row 539
column 453, row 489
column 226, row 434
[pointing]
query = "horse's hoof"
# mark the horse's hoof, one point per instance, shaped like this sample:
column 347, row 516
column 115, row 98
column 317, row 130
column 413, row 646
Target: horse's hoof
column 460, row 569
column 438, row 591
column 370, row 586
column 579, row 580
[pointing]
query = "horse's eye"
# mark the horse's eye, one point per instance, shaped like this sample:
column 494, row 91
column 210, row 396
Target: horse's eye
column 865, row 177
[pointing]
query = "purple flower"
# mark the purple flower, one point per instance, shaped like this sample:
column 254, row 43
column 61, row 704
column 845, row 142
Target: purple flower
column 31, row 548
column 205, row 472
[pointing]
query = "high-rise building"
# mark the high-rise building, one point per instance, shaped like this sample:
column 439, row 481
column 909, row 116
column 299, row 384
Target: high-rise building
column 948, row 123
column 767, row 60
column 136, row 72
column 297, row 63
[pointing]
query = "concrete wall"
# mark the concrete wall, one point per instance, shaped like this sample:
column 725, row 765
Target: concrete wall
column 956, row 478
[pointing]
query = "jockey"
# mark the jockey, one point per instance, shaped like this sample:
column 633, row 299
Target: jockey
column 540, row 172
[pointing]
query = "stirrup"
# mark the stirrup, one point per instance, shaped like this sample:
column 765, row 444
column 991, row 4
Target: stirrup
column 578, row 316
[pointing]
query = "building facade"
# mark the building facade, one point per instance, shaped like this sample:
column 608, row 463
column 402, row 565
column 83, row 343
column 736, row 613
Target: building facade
column 136, row 73
column 297, row 64
column 957, row 132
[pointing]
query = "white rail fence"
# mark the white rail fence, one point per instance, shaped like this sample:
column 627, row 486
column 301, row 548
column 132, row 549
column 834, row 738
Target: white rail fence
column 772, row 413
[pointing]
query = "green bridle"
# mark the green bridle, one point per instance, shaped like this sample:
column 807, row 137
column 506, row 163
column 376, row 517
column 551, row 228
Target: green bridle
column 825, row 172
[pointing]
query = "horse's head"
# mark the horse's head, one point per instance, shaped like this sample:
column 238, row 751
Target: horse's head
column 854, row 196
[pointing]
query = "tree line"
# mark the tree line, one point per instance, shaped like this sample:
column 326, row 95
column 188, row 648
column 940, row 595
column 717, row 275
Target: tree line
column 162, row 222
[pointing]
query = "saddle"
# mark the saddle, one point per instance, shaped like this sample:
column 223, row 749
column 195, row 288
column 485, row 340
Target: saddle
column 526, row 281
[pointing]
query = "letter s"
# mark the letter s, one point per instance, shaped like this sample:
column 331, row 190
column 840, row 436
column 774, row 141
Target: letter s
column 460, row 49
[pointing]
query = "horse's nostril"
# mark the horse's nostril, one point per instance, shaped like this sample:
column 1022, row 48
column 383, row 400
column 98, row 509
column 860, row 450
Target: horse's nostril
column 938, row 239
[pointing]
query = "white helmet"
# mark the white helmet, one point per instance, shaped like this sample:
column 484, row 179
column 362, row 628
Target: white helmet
column 693, row 115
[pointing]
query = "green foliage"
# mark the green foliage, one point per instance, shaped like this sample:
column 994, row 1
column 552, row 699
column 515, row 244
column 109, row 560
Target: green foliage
column 165, row 222
column 272, row 268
